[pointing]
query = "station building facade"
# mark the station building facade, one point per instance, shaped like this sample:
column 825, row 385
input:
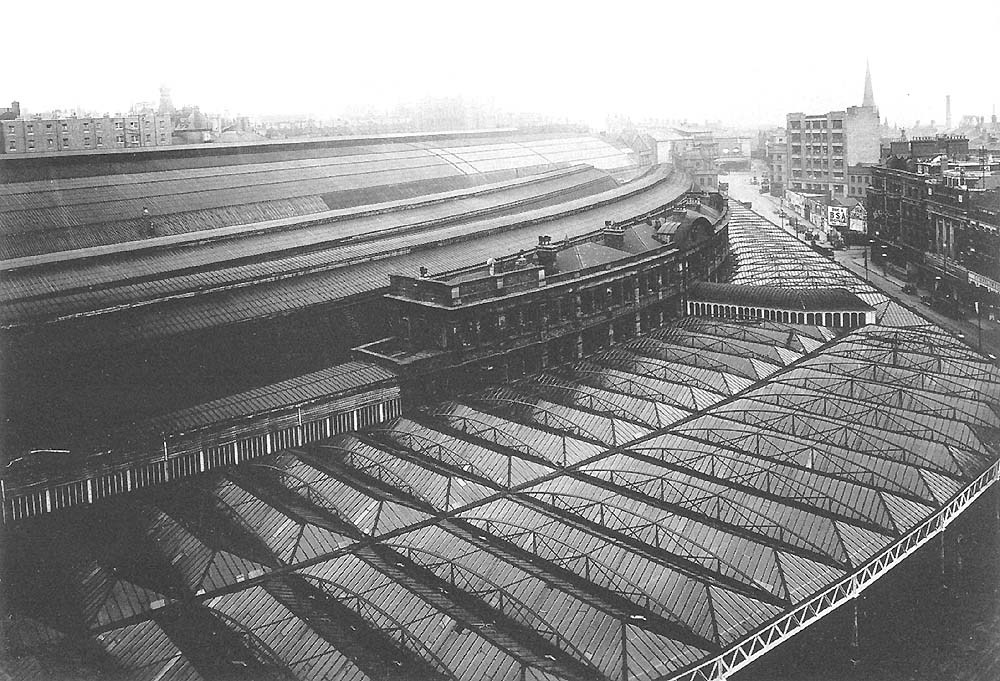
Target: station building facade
column 489, row 324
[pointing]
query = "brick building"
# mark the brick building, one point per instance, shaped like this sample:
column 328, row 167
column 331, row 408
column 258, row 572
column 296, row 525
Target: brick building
column 72, row 133
column 821, row 147
column 515, row 315
column 776, row 155
column 934, row 214
column 698, row 155
column 859, row 177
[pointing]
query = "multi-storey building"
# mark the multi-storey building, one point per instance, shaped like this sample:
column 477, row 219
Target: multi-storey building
column 72, row 133
column 697, row 155
column 821, row 147
column 776, row 155
column 934, row 214
column 859, row 177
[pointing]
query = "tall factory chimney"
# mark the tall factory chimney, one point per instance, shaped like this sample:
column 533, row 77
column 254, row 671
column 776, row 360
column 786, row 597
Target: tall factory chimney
column 947, row 112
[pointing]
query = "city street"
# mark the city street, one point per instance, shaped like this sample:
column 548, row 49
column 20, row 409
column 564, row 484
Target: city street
column 853, row 259
column 767, row 205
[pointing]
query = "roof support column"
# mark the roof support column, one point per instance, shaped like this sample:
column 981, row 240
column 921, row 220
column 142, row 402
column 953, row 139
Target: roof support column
column 941, row 542
column 624, row 651
column 854, row 630
column 996, row 495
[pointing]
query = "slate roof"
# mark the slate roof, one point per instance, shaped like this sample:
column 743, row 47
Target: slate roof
column 586, row 255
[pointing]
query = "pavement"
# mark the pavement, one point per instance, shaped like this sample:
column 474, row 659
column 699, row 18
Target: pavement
column 972, row 328
column 771, row 207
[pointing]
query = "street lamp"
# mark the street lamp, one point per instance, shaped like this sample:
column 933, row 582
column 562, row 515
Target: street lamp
column 979, row 323
column 868, row 246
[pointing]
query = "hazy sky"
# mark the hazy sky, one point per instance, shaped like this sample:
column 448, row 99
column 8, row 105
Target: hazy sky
column 742, row 62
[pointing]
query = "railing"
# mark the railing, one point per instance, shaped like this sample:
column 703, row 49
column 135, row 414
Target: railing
column 186, row 456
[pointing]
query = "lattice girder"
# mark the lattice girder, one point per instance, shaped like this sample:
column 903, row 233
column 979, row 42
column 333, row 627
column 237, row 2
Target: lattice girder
column 668, row 545
column 724, row 507
column 800, row 487
column 875, row 473
column 644, row 610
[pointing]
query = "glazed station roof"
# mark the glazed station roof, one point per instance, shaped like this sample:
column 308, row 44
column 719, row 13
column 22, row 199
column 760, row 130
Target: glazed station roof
column 640, row 512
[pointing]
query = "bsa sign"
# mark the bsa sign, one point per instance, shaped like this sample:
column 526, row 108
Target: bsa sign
column 986, row 282
column 859, row 219
column 836, row 216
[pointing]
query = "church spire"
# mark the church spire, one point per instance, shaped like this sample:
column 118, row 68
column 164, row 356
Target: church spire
column 869, row 99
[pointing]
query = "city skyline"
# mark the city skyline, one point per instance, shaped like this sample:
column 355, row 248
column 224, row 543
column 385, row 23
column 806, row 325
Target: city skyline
column 642, row 61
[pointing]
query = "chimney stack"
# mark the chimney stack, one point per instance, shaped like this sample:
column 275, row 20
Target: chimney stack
column 947, row 112
column 614, row 234
column 545, row 253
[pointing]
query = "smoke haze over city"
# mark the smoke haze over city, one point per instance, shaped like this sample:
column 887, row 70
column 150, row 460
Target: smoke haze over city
column 580, row 62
